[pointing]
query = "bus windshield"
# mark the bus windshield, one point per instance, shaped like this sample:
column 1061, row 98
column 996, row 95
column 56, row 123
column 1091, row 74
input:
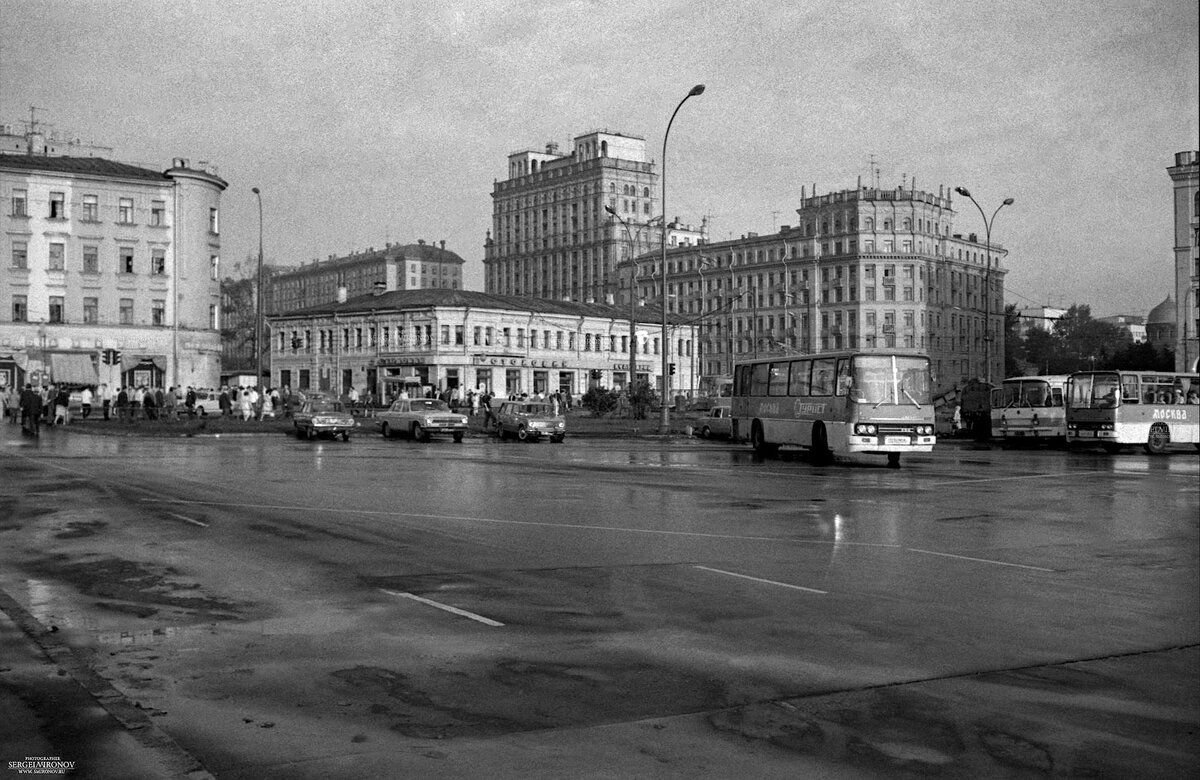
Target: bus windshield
column 1027, row 392
column 891, row 379
column 1095, row 391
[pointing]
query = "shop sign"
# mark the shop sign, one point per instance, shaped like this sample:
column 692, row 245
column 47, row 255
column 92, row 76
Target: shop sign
column 503, row 360
column 403, row 361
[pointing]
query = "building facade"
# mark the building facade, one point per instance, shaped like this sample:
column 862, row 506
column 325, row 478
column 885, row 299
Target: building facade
column 1185, row 183
column 110, row 272
column 862, row 268
column 397, row 266
column 552, row 236
column 443, row 339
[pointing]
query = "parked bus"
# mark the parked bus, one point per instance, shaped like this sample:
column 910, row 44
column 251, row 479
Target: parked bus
column 1119, row 408
column 1030, row 409
column 869, row 402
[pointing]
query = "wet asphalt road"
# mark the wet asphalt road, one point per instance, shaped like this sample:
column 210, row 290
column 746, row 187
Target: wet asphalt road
column 604, row 607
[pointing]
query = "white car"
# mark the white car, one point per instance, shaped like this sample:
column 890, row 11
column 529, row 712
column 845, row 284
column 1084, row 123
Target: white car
column 419, row 418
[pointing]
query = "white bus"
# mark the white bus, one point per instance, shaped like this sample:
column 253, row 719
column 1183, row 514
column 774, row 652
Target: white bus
column 1030, row 409
column 1155, row 409
column 867, row 402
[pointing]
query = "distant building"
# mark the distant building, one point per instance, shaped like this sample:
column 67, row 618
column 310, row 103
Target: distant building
column 552, row 236
column 1185, row 182
column 1132, row 324
column 863, row 267
column 445, row 339
column 397, row 266
column 109, row 271
column 1042, row 317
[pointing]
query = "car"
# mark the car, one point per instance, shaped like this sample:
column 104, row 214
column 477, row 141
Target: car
column 530, row 421
column 420, row 418
column 323, row 416
column 718, row 422
column 207, row 402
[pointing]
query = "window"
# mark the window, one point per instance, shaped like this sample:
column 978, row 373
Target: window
column 20, row 203
column 158, row 212
column 213, row 221
column 214, row 267
column 20, row 254
column 212, row 319
column 125, row 211
column 477, row 337
column 56, row 257
column 56, row 308
column 126, row 311
column 158, row 312
column 158, row 262
column 20, row 309
column 126, row 264
column 91, row 259
column 58, row 206
column 91, row 311
column 445, row 334
column 91, row 208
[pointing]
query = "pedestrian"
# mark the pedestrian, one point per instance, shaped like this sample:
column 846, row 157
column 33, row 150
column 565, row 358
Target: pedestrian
column 268, row 407
column 62, row 406
column 135, row 402
column 9, row 403
column 225, row 402
column 246, row 405
column 31, row 411
column 150, row 406
column 122, row 404
column 255, row 403
column 85, row 402
column 106, row 399
column 170, row 400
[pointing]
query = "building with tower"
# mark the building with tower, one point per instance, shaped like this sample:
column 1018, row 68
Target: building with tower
column 1185, row 183
column 561, row 222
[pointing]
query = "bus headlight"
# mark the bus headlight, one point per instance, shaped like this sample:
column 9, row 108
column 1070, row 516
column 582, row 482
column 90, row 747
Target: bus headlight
column 863, row 429
column 924, row 430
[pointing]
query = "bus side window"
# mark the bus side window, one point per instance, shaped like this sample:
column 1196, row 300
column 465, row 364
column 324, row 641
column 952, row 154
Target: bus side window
column 798, row 385
column 779, row 379
column 823, row 376
column 844, row 379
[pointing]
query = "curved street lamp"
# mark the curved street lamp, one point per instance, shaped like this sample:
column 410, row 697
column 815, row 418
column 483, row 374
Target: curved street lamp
column 987, row 276
column 258, row 295
column 664, row 423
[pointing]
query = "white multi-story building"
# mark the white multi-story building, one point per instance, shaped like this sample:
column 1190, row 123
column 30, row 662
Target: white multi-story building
column 561, row 222
column 109, row 271
column 445, row 339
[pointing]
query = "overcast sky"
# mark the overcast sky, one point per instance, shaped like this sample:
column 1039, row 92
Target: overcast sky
column 367, row 122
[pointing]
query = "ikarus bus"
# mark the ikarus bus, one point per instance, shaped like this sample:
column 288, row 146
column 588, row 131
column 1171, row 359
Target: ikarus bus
column 846, row 402
column 1154, row 409
column 1029, row 409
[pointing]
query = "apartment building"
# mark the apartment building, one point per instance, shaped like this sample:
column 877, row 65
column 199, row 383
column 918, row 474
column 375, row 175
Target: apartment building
column 109, row 271
column 864, row 267
column 1185, row 184
column 561, row 222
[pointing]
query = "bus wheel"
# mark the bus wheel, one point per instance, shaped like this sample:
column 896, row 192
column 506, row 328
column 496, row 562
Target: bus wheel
column 893, row 460
column 1159, row 439
column 820, row 446
column 759, row 441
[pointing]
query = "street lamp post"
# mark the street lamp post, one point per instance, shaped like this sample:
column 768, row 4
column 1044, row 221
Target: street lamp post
column 664, row 423
column 987, row 277
column 258, row 295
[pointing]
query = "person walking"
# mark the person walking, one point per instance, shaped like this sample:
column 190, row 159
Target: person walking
column 106, row 399
column 31, row 411
column 62, row 406
column 85, row 402
column 122, row 404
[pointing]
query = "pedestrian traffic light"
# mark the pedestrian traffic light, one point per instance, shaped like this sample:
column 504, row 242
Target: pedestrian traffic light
column 671, row 366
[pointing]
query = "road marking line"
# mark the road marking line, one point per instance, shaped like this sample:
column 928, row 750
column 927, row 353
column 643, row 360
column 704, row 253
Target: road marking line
column 188, row 520
column 978, row 560
column 765, row 582
column 571, row 526
column 1060, row 475
column 446, row 607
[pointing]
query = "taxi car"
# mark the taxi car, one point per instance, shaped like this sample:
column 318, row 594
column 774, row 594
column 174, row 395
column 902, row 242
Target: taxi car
column 323, row 416
column 420, row 418
column 530, row 421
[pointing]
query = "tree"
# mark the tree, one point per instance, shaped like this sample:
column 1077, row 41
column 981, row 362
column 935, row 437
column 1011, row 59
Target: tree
column 641, row 398
column 599, row 401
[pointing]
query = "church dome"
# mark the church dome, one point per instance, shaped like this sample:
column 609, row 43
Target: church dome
column 1163, row 313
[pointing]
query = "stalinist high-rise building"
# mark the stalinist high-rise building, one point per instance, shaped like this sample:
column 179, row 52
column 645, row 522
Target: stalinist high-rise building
column 552, row 236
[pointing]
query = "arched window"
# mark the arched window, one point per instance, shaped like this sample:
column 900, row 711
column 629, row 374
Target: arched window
column 604, row 148
column 887, row 224
column 869, row 223
column 645, row 192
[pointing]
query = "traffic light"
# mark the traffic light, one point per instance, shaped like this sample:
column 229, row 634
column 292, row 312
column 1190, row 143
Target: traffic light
column 595, row 373
column 110, row 357
column 671, row 366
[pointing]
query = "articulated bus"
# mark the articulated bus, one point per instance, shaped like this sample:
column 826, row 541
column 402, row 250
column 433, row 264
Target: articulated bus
column 1030, row 409
column 869, row 402
column 1120, row 408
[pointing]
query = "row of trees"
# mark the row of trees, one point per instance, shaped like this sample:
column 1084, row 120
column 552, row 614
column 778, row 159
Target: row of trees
column 1076, row 342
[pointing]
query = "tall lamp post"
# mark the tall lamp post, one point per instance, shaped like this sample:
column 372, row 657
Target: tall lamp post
column 987, row 277
column 258, row 296
column 664, row 423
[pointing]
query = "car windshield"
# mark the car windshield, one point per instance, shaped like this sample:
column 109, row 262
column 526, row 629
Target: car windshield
column 891, row 379
column 429, row 405
column 537, row 409
column 327, row 406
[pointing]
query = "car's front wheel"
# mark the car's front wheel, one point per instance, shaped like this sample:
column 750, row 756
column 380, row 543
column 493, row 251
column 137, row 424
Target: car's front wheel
column 345, row 435
column 386, row 430
column 419, row 433
column 522, row 434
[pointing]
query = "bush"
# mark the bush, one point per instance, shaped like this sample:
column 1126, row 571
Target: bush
column 599, row 401
column 642, row 399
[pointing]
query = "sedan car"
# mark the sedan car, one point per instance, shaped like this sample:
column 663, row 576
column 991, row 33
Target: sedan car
column 718, row 422
column 420, row 418
column 529, row 421
column 321, row 416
